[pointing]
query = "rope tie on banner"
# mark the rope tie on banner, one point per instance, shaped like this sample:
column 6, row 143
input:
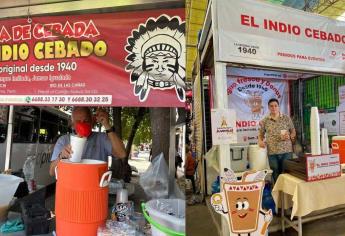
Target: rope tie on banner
column 29, row 16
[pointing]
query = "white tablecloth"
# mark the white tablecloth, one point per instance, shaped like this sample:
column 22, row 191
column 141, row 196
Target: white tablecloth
column 307, row 197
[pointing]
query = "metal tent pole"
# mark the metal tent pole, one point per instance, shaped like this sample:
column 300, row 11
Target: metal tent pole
column 172, row 151
column 9, row 139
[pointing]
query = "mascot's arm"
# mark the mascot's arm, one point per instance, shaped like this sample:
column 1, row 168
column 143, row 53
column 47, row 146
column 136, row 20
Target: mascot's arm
column 267, row 219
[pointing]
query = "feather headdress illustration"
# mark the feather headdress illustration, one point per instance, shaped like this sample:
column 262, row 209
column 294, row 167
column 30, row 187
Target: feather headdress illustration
column 156, row 58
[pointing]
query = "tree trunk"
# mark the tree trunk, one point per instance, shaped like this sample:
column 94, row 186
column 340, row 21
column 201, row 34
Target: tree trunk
column 117, row 166
column 139, row 117
column 117, row 120
column 160, row 126
column 121, row 169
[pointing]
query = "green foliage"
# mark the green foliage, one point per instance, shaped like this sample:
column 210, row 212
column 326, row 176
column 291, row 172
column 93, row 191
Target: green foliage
column 143, row 134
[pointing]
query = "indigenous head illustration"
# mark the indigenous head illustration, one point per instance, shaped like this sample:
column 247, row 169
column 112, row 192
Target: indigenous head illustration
column 156, row 58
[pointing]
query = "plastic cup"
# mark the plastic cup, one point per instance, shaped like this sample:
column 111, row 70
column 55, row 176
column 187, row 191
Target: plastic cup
column 77, row 144
column 122, row 196
column 138, row 220
column 283, row 132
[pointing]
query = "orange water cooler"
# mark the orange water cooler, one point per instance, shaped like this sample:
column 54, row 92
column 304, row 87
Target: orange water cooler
column 338, row 146
column 81, row 203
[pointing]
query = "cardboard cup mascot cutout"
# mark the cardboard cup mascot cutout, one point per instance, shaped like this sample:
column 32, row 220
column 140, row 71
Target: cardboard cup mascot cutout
column 240, row 203
column 156, row 56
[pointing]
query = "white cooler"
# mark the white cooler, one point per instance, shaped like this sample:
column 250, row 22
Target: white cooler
column 239, row 157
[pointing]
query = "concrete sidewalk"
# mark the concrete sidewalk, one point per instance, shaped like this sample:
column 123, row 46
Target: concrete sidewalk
column 140, row 163
column 201, row 221
column 329, row 226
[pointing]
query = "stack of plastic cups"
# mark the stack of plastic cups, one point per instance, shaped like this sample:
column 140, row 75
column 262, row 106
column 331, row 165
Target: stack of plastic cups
column 324, row 142
column 122, row 196
column 315, row 131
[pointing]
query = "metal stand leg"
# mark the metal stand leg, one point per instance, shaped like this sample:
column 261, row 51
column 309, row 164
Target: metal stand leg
column 299, row 226
column 282, row 212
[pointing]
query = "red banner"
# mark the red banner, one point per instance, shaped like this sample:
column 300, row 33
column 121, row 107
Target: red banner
column 113, row 59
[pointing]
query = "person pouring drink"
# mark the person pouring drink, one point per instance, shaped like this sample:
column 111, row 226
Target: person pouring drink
column 277, row 132
column 98, row 145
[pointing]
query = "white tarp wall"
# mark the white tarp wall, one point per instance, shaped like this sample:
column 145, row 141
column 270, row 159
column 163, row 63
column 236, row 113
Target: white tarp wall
column 259, row 33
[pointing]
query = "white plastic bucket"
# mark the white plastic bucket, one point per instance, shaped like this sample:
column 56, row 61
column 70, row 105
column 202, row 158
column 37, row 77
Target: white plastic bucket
column 8, row 186
column 258, row 158
column 175, row 221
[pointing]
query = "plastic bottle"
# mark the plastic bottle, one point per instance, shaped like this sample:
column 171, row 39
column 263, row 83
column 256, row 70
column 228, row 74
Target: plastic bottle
column 216, row 186
column 267, row 199
column 29, row 172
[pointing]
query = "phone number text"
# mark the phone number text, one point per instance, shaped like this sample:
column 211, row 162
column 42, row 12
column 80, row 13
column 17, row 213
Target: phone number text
column 70, row 99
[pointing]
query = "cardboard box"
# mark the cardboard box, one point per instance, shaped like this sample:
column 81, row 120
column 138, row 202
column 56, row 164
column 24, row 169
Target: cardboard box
column 314, row 168
column 323, row 167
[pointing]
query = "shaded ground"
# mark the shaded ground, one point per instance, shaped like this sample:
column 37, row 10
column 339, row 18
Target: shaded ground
column 199, row 222
column 330, row 226
column 203, row 222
